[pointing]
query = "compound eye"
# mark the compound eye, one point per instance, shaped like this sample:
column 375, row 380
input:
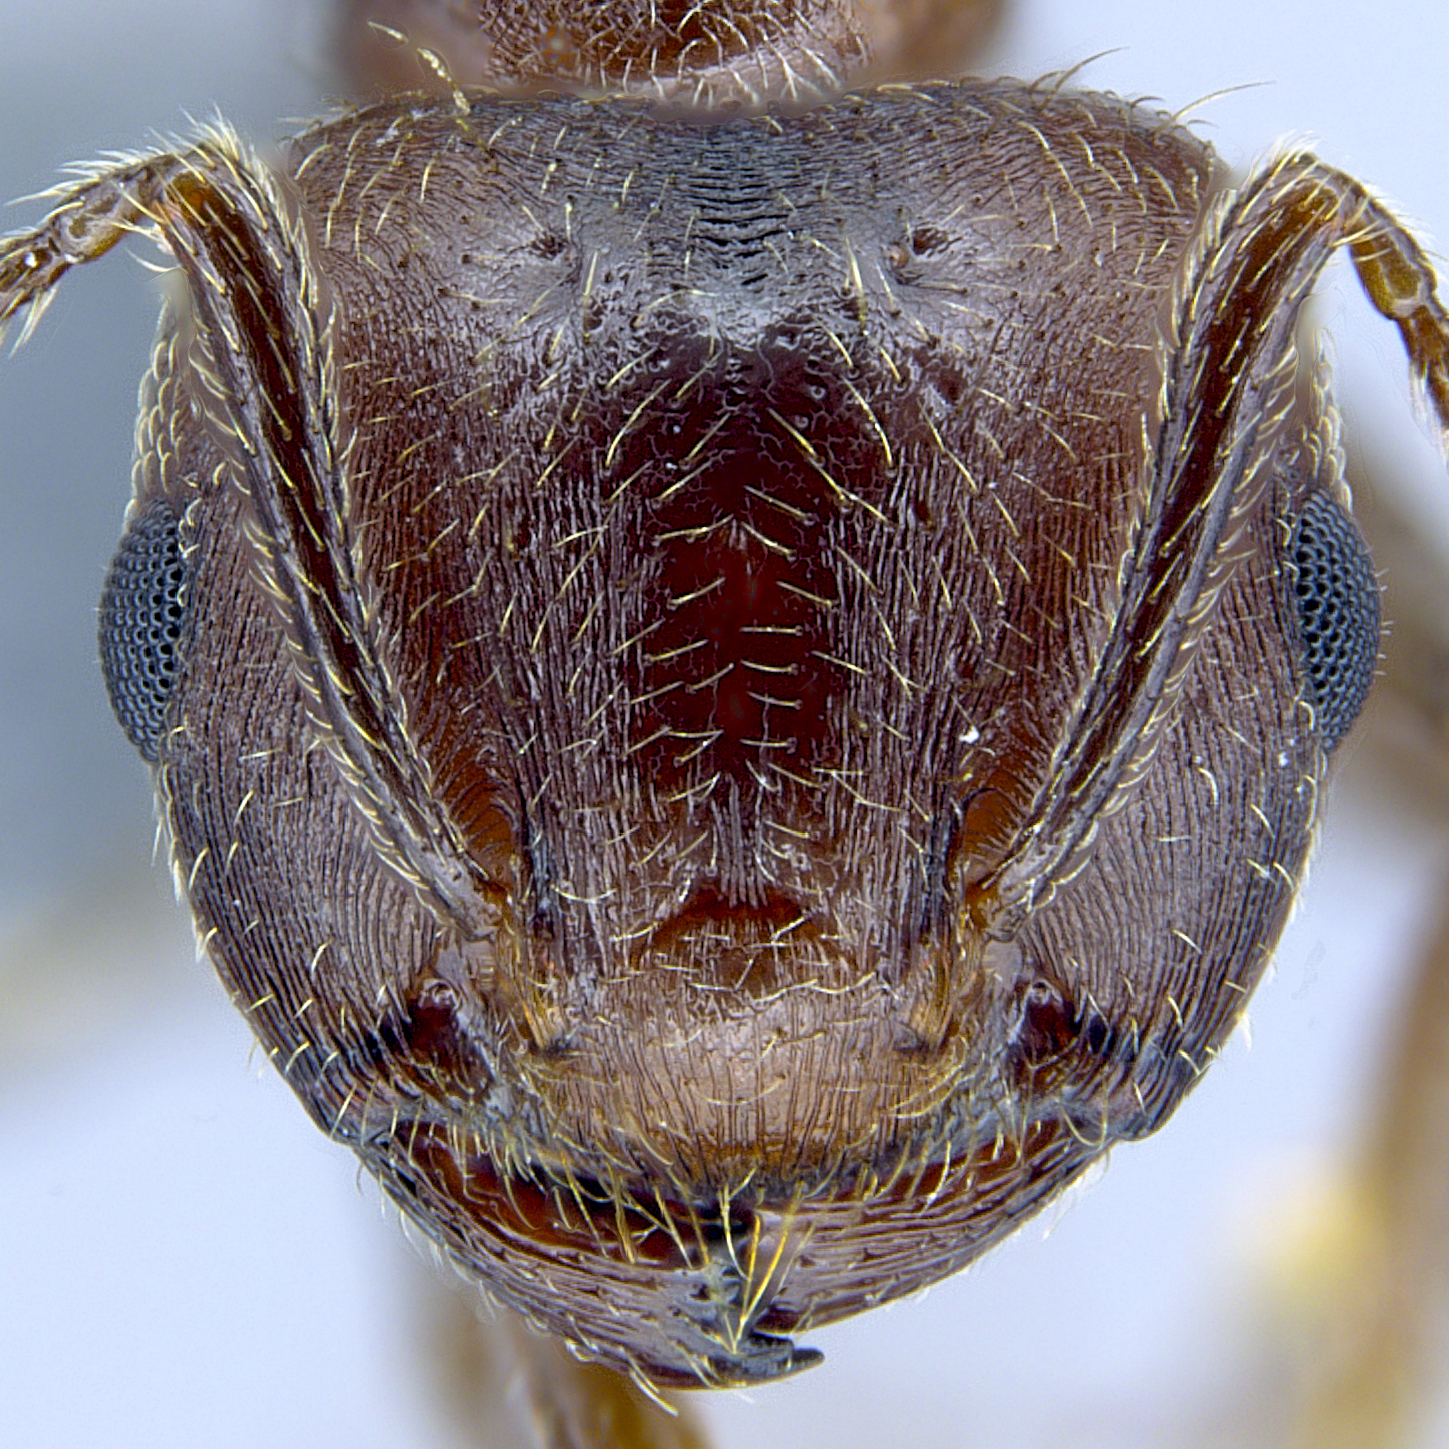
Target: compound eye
column 1337, row 599
column 143, row 610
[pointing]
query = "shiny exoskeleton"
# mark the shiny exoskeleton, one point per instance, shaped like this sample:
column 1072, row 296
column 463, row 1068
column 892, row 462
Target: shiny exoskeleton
column 738, row 695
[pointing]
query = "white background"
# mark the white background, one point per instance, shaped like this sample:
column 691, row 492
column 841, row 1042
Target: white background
column 185, row 1262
